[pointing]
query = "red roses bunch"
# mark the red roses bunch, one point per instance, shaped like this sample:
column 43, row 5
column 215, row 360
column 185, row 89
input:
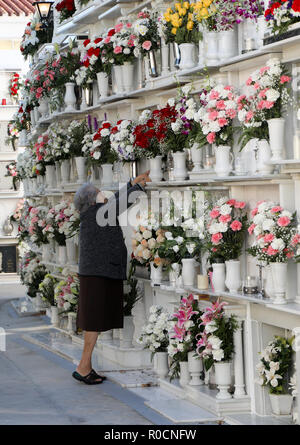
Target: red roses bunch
column 14, row 85
column 66, row 8
column 101, row 148
column 151, row 131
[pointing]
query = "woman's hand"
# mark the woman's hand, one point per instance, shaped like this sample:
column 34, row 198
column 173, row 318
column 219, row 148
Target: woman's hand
column 142, row 179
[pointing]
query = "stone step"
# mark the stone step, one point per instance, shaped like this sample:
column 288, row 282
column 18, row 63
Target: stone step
column 25, row 308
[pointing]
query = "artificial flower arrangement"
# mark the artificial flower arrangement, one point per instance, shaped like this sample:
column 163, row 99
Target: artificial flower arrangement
column 206, row 14
column 181, row 23
column 36, row 223
column 46, row 288
column 275, row 233
column 281, row 14
column 43, row 150
column 269, row 89
column 155, row 334
column 275, row 365
column 150, row 132
column 122, row 140
column 145, row 244
column 183, row 333
column 101, row 151
column 14, row 86
column 11, row 171
column 216, row 116
column 66, row 9
column 253, row 125
column 12, row 134
column 125, row 43
column 16, row 216
column 75, row 134
column 57, row 139
column 23, row 234
column 215, row 342
column 66, row 292
column 184, row 130
column 21, row 119
column 56, row 219
column 34, row 35
column 32, row 273
column 226, row 228
column 147, row 32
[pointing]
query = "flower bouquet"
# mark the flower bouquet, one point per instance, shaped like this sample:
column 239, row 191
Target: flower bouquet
column 34, row 35
column 154, row 335
column 145, row 244
column 66, row 293
column 46, row 288
column 11, row 170
column 12, row 134
column 36, row 223
column 280, row 15
column 101, row 151
column 125, row 43
column 32, row 273
column 122, row 140
column 66, row 9
column 14, row 86
column 147, row 32
column 181, row 23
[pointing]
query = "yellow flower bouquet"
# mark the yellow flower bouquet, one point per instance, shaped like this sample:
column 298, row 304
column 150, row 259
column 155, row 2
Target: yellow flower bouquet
column 206, row 14
column 180, row 23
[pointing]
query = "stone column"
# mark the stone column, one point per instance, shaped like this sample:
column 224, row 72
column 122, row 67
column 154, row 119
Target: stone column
column 239, row 382
column 164, row 57
column 296, row 333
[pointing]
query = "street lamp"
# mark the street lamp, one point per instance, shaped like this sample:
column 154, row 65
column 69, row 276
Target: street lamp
column 44, row 9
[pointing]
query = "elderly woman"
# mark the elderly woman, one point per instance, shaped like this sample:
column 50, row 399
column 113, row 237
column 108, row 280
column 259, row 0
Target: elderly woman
column 102, row 266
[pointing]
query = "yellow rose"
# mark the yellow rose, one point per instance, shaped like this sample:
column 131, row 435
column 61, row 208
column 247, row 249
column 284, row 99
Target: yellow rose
column 182, row 11
column 175, row 16
column 190, row 25
column 207, row 3
column 198, row 5
column 186, row 5
column 177, row 6
column 190, row 16
column 174, row 30
column 167, row 17
column 204, row 13
column 169, row 11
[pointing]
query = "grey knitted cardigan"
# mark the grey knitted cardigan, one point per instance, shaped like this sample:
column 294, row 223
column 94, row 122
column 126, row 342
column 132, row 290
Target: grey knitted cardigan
column 102, row 250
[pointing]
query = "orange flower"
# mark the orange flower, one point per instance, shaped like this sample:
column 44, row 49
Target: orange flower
column 144, row 243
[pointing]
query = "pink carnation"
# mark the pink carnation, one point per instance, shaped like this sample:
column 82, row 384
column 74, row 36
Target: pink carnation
column 220, row 105
column 271, row 251
column 240, row 205
column 211, row 137
column 225, row 218
column 213, row 115
column 283, row 221
column 214, row 213
column 284, row 79
column 276, row 209
column 268, row 238
column 214, row 95
column 118, row 50
column 146, row 45
column 236, row 226
column 251, row 229
column 222, row 122
column 216, row 238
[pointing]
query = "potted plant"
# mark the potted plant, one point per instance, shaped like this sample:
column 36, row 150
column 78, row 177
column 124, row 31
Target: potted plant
column 273, row 370
column 216, row 347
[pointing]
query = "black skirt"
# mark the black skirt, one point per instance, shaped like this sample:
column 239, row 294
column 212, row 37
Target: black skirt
column 100, row 306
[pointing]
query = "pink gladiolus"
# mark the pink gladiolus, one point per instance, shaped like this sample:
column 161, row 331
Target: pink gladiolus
column 236, row 226
column 283, row 221
column 216, row 238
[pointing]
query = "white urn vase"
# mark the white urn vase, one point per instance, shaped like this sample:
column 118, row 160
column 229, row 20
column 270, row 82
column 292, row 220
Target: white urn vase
column 227, row 45
column 102, row 81
column 264, row 157
column 174, row 273
column 118, row 79
column 70, row 98
column 281, row 404
column 260, row 32
column 195, row 366
column 65, row 169
column 156, row 173
column 276, row 134
column 70, row 325
column 71, row 251
column 107, row 175
column 196, row 153
column 50, row 176
column 156, row 274
column 211, row 47
column 127, row 76
column 224, row 160
column 54, row 316
column 37, row 114
column 218, row 277
column 223, row 379
column 161, row 364
column 81, row 169
column 126, row 333
column 44, row 107
column 188, row 272
column 233, row 275
column 180, row 171
column 188, row 56
column 279, row 274
column 58, row 172
column 32, row 118
column 62, row 255
column 184, row 378
column 269, row 285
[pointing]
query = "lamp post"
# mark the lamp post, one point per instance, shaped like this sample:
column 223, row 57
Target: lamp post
column 44, row 10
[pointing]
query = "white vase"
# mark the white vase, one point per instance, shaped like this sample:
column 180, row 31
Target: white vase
column 126, row 334
column 127, row 76
column 156, row 274
column 218, row 277
column 107, row 175
column 174, row 273
column 71, row 317
column 23, row 138
column 50, row 176
column 118, row 78
column 195, row 366
column 62, row 255
column 211, row 47
column 32, row 118
column 44, row 108
column 180, row 171
column 107, row 335
column 161, row 364
column 279, row 274
column 276, row 134
column 224, row 160
column 70, row 98
column 188, row 272
column 81, row 169
column 102, row 80
column 281, row 404
column 223, row 379
column 227, row 45
column 46, row 250
column 54, row 315
column 264, row 157
column 38, row 302
column 188, row 56
column 164, row 49
column 37, row 114
column 260, row 31
column 71, row 251
column 269, row 285
column 196, row 153
column 65, row 169
column 233, row 275
column 184, row 378
column 156, row 173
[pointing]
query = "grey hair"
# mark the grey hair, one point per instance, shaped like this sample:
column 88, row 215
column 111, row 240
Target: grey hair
column 85, row 197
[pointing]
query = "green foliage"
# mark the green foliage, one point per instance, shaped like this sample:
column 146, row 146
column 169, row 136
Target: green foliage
column 131, row 297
